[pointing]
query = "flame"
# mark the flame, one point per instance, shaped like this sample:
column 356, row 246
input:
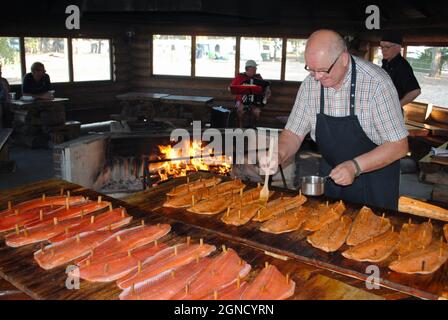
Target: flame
column 219, row 164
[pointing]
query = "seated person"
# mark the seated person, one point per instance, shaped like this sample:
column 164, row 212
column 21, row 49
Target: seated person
column 251, row 102
column 4, row 101
column 37, row 83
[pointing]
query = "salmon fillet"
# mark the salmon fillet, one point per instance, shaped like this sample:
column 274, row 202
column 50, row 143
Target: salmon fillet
column 445, row 230
column 166, row 286
column 367, row 225
column 17, row 220
column 278, row 206
column 42, row 202
column 414, row 237
column 212, row 206
column 118, row 265
column 57, row 254
column 192, row 186
column 125, row 240
column 376, row 249
column 323, row 215
column 40, row 233
column 250, row 196
column 232, row 292
column 332, row 236
column 166, row 261
column 240, row 216
column 423, row 261
column 223, row 271
column 191, row 198
column 270, row 284
column 287, row 221
column 109, row 220
column 69, row 212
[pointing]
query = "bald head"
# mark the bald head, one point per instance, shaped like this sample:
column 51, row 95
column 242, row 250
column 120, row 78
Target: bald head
column 325, row 43
column 327, row 57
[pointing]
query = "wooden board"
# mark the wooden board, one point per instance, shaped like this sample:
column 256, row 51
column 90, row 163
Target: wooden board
column 294, row 244
column 18, row 267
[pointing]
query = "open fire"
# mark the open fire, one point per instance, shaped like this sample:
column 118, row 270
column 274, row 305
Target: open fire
column 192, row 157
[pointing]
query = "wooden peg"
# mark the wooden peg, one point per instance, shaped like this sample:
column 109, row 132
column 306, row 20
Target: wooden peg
column 106, row 268
column 55, row 221
column 410, row 221
column 139, row 267
column 17, row 229
column 240, row 263
column 109, row 227
column 326, row 203
column 42, row 248
column 82, row 213
column 258, row 213
column 133, row 289
column 123, row 213
column 197, row 258
column 9, row 205
column 41, row 215
column 110, row 206
column 238, row 282
column 258, row 185
column 423, row 265
column 300, row 192
column 143, row 223
column 287, row 278
column 224, row 249
column 188, row 240
column 92, row 219
column 25, row 231
column 100, row 199
column 175, row 250
column 241, row 192
column 66, row 230
column 266, row 264
column 129, row 253
column 192, row 200
column 156, row 243
column 392, row 228
column 16, row 212
column 239, row 214
column 173, row 274
column 43, row 197
column 77, row 238
column 62, row 192
column 187, row 288
column 67, row 204
column 201, row 242
column 88, row 262
column 228, row 211
column 118, row 238
column 68, row 193
column 188, row 180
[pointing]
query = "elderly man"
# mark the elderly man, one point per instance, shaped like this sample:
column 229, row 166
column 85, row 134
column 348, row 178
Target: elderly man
column 254, row 103
column 37, row 83
column 398, row 68
column 352, row 110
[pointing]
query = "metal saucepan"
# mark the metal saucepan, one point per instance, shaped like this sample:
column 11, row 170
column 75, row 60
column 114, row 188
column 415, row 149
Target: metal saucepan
column 313, row 185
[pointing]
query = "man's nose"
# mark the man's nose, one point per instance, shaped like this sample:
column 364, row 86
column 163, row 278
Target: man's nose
column 318, row 75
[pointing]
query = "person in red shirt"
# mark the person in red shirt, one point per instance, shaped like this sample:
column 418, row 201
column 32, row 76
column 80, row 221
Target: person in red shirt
column 252, row 103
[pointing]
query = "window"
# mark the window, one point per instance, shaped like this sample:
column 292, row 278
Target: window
column 295, row 60
column 52, row 52
column 91, row 59
column 430, row 65
column 10, row 59
column 267, row 52
column 215, row 56
column 377, row 56
column 172, row 55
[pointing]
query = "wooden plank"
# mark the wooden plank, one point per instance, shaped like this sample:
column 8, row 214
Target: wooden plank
column 186, row 99
column 18, row 267
column 294, row 244
column 4, row 135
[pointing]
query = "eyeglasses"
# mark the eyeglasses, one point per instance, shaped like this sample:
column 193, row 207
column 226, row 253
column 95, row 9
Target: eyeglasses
column 324, row 71
column 388, row 47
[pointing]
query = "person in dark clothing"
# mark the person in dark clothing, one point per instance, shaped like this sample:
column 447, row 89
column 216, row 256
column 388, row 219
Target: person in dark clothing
column 5, row 112
column 37, row 84
column 398, row 68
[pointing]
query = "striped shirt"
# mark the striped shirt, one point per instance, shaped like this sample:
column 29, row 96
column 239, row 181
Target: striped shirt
column 376, row 104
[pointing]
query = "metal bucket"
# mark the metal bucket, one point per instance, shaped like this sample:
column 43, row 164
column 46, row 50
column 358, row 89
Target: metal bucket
column 313, row 185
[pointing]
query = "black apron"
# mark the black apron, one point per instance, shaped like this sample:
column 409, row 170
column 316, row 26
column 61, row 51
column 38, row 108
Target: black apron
column 342, row 138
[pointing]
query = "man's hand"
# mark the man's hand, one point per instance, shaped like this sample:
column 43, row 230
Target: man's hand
column 344, row 173
column 268, row 166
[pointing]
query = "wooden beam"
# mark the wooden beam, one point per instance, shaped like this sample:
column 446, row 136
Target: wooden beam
column 193, row 55
column 70, row 59
column 237, row 55
column 22, row 56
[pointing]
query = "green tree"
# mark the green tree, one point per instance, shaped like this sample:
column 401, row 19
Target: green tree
column 7, row 53
column 435, row 58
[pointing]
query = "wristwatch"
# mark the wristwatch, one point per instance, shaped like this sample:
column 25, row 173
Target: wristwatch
column 358, row 168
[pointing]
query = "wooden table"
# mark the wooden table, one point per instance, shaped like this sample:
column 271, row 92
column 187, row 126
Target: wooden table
column 295, row 246
column 18, row 267
column 200, row 106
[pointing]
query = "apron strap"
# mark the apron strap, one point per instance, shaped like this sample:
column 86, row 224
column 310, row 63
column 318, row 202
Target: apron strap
column 352, row 91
